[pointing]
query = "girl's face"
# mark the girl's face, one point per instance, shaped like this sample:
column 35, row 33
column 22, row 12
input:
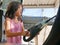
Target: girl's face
column 19, row 11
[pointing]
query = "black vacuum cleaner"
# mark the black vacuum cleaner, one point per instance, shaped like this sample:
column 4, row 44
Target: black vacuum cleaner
column 36, row 29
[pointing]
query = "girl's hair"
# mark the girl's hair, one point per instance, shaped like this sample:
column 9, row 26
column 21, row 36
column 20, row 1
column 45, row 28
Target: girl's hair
column 12, row 7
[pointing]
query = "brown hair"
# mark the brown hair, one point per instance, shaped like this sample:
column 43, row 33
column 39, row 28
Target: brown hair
column 12, row 7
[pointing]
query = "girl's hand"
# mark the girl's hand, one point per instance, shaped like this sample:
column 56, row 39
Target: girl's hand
column 27, row 33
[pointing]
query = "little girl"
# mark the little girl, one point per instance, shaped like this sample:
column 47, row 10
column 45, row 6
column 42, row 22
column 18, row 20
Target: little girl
column 13, row 22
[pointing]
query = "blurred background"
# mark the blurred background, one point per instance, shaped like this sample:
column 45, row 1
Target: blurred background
column 34, row 11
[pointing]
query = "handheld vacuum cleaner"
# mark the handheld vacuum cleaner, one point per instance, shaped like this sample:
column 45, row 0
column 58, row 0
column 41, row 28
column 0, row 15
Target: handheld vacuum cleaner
column 36, row 29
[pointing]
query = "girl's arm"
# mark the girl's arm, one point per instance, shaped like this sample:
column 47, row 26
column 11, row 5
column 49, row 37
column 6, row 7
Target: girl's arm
column 24, row 32
column 12, row 34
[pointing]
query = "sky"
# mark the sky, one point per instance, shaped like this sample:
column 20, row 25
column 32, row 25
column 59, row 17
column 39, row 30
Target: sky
column 38, row 12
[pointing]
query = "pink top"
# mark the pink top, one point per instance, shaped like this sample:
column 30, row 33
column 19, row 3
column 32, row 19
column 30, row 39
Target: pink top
column 15, row 27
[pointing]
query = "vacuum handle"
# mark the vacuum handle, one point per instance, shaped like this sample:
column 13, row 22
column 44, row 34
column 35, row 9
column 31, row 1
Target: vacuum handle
column 36, row 29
